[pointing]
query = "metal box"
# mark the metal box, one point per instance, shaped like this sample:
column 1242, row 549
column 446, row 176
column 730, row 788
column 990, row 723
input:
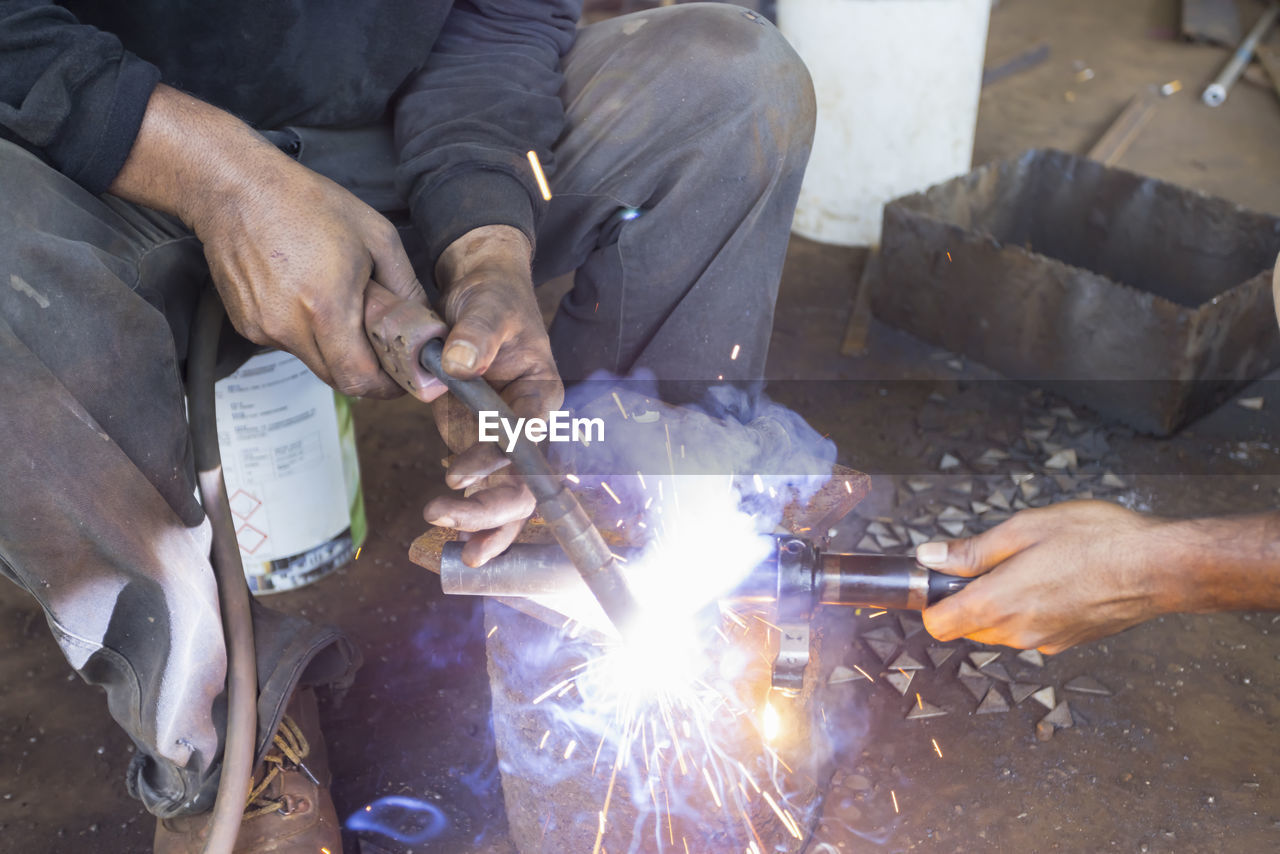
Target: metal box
column 1144, row 301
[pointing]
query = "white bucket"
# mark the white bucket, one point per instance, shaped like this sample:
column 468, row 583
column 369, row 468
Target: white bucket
column 897, row 83
column 289, row 459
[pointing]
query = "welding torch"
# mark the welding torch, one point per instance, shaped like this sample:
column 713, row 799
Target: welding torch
column 408, row 338
column 796, row 577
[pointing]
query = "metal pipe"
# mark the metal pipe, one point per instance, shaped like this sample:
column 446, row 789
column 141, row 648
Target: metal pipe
column 861, row 580
column 233, row 592
column 1216, row 92
column 569, row 523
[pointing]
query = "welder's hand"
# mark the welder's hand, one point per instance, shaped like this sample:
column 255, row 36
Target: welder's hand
column 497, row 333
column 292, row 259
column 1051, row 578
column 290, row 252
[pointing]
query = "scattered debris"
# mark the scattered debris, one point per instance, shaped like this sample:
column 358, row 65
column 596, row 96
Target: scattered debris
column 884, row 650
column 869, row 544
column 1060, row 717
column 1254, row 403
column 948, row 462
column 994, row 702
column 982, row 658
column 976, row 685
column 1032, row 657
column 939, row 654
column 1045, row 697
column 841, row 674
column 900, row 680
column 1021, row 691
column 906, row 662
column 1088, row 685
column 1023, row 61
column 924, row 709
column 911, row 624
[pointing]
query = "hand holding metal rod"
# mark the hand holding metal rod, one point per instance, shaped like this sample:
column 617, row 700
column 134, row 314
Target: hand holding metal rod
column 409, row 340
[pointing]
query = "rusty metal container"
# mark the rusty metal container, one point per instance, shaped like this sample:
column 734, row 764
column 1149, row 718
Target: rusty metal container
column 1142, row 300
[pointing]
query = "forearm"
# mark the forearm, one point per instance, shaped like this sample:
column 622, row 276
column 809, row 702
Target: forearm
column 1224, row 564
column 190, row 158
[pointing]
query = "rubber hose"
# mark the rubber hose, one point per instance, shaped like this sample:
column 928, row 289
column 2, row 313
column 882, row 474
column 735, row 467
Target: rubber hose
column 233, row 593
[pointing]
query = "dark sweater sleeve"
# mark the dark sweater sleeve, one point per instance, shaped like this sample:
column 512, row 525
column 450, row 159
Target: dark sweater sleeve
column 70, row 92
column 488, row 93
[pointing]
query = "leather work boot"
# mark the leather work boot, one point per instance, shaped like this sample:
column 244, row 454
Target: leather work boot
column 290, row 810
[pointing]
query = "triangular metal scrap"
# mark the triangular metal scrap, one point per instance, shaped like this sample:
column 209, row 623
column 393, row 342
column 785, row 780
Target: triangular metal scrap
column 1045, row 697
column 842, row 674
column 1032, row 657
column 964, row 487
column 997, row 671
column 939, row 654
column 992, row 703
column 1062, row 460
column 883, row 632
column 877, row 529
column 982, row 658
column 1030, row 489
column 980, row 507
column 905, row 662
column 1088, row 685
column 888, row 541
column 1060, row 716
column 992, row 456
column 923, row 709
column 955, row 529
column 1111, row 481
column 916, row 537
column 900, row 680
column 999, row 500
column 952, row 514
column 869, row 544
column 967, row 669
column 1019, row 690
column 976, row 685
column 884, row 650
column 919, row 485
column 948, row 462
column 911, row 624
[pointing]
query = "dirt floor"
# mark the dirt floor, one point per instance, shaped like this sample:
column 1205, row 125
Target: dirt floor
column 1181, row 755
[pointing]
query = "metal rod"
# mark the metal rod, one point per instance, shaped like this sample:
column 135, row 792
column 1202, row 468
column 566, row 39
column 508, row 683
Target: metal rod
column 569, row 523
column 1216, row 92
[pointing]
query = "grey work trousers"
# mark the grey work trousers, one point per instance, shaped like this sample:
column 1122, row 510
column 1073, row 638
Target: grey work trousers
column 700, row 117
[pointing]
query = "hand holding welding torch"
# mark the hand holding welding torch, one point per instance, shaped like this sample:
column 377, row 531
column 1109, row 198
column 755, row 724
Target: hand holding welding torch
column 494, row 330
column 1054, row 577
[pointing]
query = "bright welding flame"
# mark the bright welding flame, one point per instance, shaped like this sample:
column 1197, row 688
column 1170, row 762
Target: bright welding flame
column 771, row 722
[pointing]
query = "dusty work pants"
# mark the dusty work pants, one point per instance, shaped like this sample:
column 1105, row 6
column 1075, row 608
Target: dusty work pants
column 697, row 117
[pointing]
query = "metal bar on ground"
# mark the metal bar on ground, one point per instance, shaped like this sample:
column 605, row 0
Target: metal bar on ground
column 1117, row 138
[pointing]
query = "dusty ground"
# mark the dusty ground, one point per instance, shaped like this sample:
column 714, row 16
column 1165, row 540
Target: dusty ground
column 1182, row 757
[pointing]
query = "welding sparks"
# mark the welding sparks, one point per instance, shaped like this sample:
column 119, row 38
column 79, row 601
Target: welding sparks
column 948, row 256
column 621, row 408
column 492, row 632
column 848, row 487
column 755, row 478
column 357, row 557
column 572, row 478
column 936, row 748
column 612, row 494
column 734, row 355
column 541, row 177
column 894, row 795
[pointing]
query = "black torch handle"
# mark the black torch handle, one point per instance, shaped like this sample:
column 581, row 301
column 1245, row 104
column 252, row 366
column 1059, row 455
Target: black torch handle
column 895, row 582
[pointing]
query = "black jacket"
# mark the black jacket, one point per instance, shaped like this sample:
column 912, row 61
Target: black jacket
column 470, row 85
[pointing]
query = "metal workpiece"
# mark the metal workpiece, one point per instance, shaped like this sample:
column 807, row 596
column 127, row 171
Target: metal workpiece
column 1169, row 289
column 1216, row 92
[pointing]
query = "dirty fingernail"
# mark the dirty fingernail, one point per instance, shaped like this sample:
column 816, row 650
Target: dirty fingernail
column 932, row 554
column 460, row 356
